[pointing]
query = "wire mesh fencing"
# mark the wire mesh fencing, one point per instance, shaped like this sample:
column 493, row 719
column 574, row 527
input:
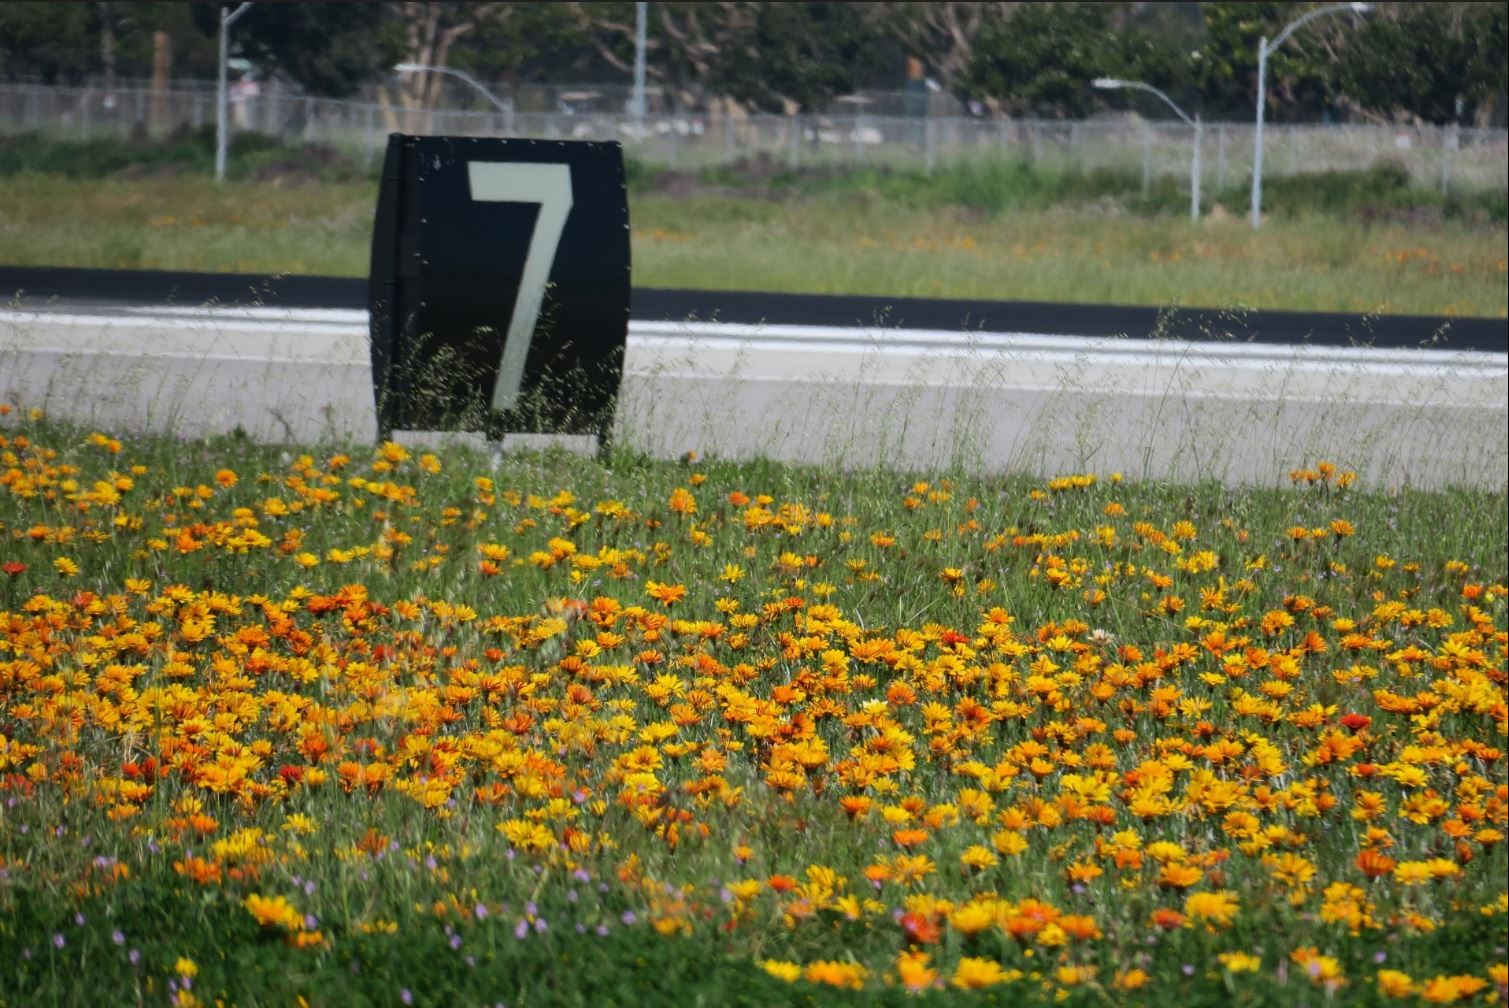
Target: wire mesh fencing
column 1450, row 158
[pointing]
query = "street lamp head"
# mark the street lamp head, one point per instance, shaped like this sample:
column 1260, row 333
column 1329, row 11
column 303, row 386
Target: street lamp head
column 1107, row 83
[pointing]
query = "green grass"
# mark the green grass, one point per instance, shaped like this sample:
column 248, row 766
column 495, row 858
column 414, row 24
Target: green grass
column 1352, row 243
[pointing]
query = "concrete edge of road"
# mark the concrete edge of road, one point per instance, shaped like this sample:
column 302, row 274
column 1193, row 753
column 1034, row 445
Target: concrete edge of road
column 915, row 400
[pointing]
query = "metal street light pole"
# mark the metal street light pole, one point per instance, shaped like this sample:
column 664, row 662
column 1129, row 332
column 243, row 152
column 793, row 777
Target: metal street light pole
column 641, row 31
column 1266, row 49
column 1111, row 83
column 227, row 18
column 506, row 107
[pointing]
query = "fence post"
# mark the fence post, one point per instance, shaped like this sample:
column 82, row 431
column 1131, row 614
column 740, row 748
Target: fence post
column 931, row 139
column 1221, row 159
column 371, row 134
column 1448, row 141
column 1147, row 159
column 796, row 141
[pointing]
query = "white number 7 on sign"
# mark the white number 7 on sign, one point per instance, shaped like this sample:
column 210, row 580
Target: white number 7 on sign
column 549, row 185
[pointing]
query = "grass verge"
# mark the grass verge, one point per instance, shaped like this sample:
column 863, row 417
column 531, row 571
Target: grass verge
column 376, row 726
column 1361, row 242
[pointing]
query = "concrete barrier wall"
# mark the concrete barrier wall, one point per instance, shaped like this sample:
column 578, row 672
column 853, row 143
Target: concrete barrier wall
column 905, row 399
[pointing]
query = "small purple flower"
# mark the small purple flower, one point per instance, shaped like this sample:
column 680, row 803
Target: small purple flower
column 602, row 930
column 1187, row 970
column 581, row 928
column 571, row 896
column 510, row 853
column 58, row 941
column 480, row 911
column 311, row 922
column 406, row 996
column 119, row 937
column 430, row 862
column 134, row 957
column 1380, row 957
column 530, row 910
column 628, row 917
column 581, row 875
column 471, row 961
column 309, row 888
column 78, row 918
column 521, row 929
column 539, row 925
column 455, row 942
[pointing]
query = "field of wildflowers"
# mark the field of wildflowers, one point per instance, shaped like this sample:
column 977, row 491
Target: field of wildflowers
column 376, row 726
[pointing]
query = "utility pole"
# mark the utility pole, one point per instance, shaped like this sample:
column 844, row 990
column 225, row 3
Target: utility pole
column 227, row 18
column 641, row 30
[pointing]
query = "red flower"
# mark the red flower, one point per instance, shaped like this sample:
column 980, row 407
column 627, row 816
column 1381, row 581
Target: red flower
column 13, row 567
column 1356, row 722
column 920, row 929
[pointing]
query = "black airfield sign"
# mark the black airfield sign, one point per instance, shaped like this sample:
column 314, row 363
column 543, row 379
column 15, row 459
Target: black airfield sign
column 499, row 290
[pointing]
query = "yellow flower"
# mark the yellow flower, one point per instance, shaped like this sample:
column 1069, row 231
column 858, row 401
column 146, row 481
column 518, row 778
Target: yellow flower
column 914, row 972
column 1216, row 908
column 1240, row 962
column 185, row 967
column 65, row 566
column 974, row 973
column 1393, row 983
column 1446, row 990
column 274, row 911
column 787, row 971
column 836, row 974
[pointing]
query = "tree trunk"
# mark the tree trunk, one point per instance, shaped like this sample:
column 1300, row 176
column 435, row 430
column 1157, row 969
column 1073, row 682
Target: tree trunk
column 162, row 65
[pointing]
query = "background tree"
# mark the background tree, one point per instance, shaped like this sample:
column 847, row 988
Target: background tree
column 769, row 56
column 802, row 56
column 329, row 49
column 1436, row 62
column 1040, row 60
column 1225, row 72
column 529, row 41
column 943, row 33
column 58, row 43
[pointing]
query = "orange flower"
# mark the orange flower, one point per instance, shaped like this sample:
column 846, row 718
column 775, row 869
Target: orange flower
column 1167, row 919
column 920, row 929
column 1375, row 863
column 666, row 594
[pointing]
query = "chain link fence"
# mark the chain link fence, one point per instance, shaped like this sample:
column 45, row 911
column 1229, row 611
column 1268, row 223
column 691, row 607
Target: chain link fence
column 1451, row 159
